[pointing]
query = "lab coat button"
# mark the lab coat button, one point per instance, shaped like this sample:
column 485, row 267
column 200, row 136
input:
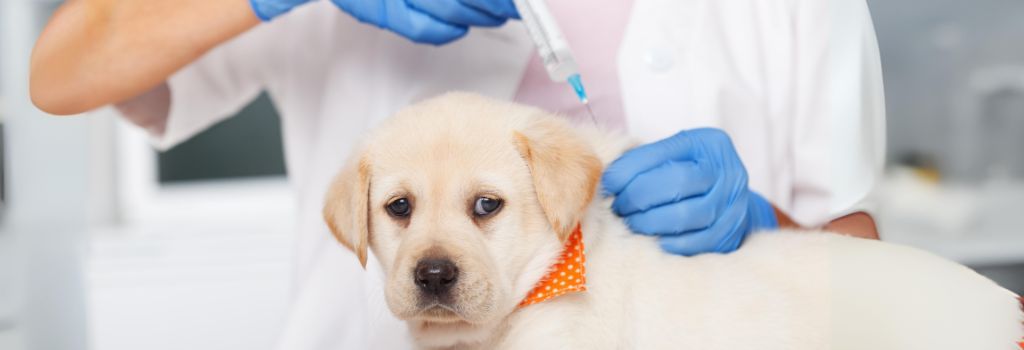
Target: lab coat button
column 658, row 60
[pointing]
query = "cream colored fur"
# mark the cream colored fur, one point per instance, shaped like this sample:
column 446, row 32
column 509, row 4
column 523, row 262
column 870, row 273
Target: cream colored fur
column 781, row 290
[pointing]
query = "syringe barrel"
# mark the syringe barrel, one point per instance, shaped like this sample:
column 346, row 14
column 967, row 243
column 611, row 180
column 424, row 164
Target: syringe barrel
column 551, row 44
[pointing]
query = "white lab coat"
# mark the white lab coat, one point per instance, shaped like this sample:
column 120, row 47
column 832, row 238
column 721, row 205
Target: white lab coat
column 797, row 83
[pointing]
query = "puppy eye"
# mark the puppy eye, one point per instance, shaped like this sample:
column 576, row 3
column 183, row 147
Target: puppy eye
column 485, row 206
column 399, row 207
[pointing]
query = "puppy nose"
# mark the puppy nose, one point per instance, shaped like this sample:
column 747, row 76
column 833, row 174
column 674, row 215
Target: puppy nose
column 436, row 276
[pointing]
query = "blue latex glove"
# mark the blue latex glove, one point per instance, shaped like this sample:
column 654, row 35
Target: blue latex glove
column 266, row 10
column 423, row 21
column 690, row 190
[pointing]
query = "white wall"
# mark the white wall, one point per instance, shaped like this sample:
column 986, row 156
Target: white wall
column 47, row 177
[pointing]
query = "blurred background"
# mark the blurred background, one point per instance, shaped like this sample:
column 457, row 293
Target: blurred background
column 107, row 244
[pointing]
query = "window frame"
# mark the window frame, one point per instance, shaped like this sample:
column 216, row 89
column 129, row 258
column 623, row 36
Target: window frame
column 263, row 204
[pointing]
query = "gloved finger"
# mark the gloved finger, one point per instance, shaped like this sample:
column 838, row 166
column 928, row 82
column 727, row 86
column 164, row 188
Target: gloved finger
column 687, row 215
column 420, row 27
column 671, row 182
column 723, row 236
column 454, row 12
column 497, row 8
column 370, row 12
column 640, row 159
column 269, row 9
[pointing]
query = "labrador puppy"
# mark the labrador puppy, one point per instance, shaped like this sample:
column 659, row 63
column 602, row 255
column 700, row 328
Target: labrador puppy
column 467, row 202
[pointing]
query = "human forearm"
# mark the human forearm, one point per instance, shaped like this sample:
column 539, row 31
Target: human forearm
column 98, row 52
column 859, row 224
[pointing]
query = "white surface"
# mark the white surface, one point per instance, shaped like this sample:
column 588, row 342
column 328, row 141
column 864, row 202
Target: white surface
column 995, row 249
column 207, row 268
column 977, row 225
column 253, row 205
column 208, row 290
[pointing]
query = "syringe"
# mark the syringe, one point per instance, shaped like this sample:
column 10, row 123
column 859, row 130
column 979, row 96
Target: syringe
column 553, row 48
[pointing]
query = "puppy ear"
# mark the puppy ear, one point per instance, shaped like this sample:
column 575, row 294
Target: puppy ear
column 565, row 170
column 346, row 209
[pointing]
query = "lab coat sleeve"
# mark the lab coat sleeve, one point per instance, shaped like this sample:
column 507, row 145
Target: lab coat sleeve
column 839, row 131
column 218, row 84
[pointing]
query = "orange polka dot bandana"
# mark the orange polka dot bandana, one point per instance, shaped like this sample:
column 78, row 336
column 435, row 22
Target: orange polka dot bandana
column 566, row 276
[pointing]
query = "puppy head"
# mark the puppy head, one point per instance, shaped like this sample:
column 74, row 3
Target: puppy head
column 465, row 201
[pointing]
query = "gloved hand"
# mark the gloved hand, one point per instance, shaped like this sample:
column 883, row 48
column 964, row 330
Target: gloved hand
column 423, row 21
column 690, row 190
column 267, row 10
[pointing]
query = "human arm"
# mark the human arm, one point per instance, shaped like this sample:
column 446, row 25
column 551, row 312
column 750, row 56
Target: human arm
column 97, row 52
column 857, row 224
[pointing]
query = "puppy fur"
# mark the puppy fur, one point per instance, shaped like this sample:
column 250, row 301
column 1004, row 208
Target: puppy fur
column 781, row 290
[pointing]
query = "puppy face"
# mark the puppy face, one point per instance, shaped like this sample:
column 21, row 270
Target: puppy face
column 465, row 201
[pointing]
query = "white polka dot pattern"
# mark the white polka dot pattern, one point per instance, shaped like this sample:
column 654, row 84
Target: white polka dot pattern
column 566, row 276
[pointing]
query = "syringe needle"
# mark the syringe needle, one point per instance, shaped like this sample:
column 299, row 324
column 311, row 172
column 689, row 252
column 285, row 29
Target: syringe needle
column 593, row 118
column 577, row 86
